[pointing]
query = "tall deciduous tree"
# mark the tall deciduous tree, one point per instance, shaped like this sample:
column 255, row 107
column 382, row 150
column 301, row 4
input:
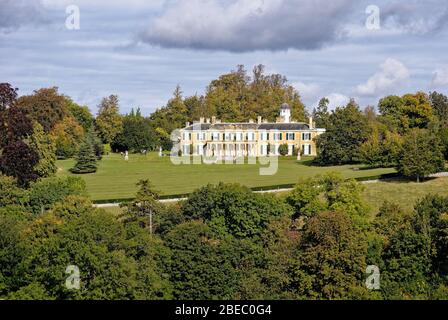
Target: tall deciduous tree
column 109, row 122
column 19, row 160
column 45, row 106
column 321, row 115
column 346, row 131
column 68, row 135
column 422, row 154
column 45, row 147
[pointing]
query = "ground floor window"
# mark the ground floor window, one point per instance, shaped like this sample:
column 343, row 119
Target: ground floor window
column 306, row 149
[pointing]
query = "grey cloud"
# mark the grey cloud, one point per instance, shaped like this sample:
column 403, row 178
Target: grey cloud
column 248, row 25
column 16, row 13
column 416, row 17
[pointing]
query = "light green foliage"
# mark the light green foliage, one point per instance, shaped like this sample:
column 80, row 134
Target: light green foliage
column 10, row 193
column 45, row 193
column 45, row 147
column 407, row 112
column 109, row 122
column 82, row 114
column 305, row 198
column 329, row 192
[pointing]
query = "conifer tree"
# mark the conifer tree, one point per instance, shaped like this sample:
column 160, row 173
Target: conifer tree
column 86, row 159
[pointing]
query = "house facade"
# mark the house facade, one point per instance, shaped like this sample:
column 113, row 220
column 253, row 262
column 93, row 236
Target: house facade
column 212, row 138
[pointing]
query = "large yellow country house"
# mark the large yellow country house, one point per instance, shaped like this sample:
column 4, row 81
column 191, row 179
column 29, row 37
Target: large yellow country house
column 212, row 138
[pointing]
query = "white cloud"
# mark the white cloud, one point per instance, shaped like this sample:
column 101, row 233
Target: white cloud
column 307, row 91
column 392, row 73
column 335, row 100
column 440, row 78
column 248, row 25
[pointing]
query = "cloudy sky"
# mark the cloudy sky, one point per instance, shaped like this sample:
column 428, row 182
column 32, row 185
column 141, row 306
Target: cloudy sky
column 141, row 49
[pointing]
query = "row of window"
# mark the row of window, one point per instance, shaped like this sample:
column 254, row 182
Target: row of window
column 248, row 136
column 264, row 149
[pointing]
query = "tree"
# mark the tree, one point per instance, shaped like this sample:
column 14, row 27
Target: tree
column 45, row 193
column 233, row 209
column 10, row 193
column 109, row 122
column 115, row 261
column 144, row 207
column 439, row 103
column 283, row 149
column 407, row 112
column 202, row 267
column 46, row 150
column 67, row 135
column 82, row 114
column 86, row 159
column 137, row 134
column 8, row 96
column 422, row 154
column 329, row 192
column 321, row 115
column 45, row 106
column 19, row 160
column 346, row 132
column 334, row 249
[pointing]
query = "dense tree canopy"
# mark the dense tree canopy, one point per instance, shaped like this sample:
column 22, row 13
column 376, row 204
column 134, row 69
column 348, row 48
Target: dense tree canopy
column 346, row 132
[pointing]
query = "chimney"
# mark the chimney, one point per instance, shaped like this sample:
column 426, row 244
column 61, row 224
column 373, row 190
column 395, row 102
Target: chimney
column 251, row 121
column 311, row 123
column 207, row 120
column 201, row 120
column 259, row 120
column 213, row 120
column 187, row 124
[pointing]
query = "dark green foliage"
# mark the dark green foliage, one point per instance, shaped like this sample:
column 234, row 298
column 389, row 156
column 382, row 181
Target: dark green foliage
column 86, row 159
column 346, row 131
column 283, row 149
column 321, row 115
column 114, row 262
column 202, row 265
column 137, row 134
column 332, row 248
column 144, row 206
column 422, row 154
column 231, row 208
column 439, row 103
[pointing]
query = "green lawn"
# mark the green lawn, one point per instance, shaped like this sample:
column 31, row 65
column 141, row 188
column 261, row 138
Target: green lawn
column 404, row 193
column 116, row 178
